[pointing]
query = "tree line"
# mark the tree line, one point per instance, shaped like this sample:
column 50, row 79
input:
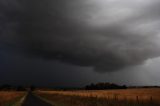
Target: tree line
column 7, row 87
column 104, row 86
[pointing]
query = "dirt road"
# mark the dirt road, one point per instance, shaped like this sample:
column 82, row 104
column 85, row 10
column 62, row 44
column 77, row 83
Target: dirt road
column 32, row 100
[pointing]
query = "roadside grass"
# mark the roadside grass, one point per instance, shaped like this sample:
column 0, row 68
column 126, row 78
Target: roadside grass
column 88, row 98
column 11, row 98
column 63, row 100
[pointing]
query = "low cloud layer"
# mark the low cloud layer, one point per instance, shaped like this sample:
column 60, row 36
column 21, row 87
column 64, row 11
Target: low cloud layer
column 108, row 35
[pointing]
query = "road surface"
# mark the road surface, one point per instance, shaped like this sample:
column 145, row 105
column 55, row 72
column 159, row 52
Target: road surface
column 32, row 100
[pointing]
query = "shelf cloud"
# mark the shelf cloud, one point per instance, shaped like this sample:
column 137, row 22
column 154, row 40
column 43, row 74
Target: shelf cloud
column 108, row 35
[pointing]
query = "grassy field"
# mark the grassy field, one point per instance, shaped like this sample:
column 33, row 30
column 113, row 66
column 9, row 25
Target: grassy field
column 128, row 97
column 9, row 98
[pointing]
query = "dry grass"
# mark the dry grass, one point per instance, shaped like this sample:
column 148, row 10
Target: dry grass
column 9, row 97
column 129, row 97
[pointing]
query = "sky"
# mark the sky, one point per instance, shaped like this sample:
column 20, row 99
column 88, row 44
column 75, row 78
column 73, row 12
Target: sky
column 77, row 42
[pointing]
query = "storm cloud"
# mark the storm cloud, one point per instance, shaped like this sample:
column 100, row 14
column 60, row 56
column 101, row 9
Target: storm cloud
column 107, row 35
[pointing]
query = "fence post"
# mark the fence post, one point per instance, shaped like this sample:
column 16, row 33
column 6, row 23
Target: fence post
column 151, row 99
column 124, row 98
column 115, row 97
column 137, row 99
column 108, row 97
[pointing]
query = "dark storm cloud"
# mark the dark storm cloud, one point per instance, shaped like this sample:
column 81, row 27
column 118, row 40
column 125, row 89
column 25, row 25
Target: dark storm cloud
column 107, row 35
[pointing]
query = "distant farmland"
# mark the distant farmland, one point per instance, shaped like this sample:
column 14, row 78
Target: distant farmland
column 128, row 97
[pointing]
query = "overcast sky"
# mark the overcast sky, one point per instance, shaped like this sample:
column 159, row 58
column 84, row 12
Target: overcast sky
column 76, row 42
